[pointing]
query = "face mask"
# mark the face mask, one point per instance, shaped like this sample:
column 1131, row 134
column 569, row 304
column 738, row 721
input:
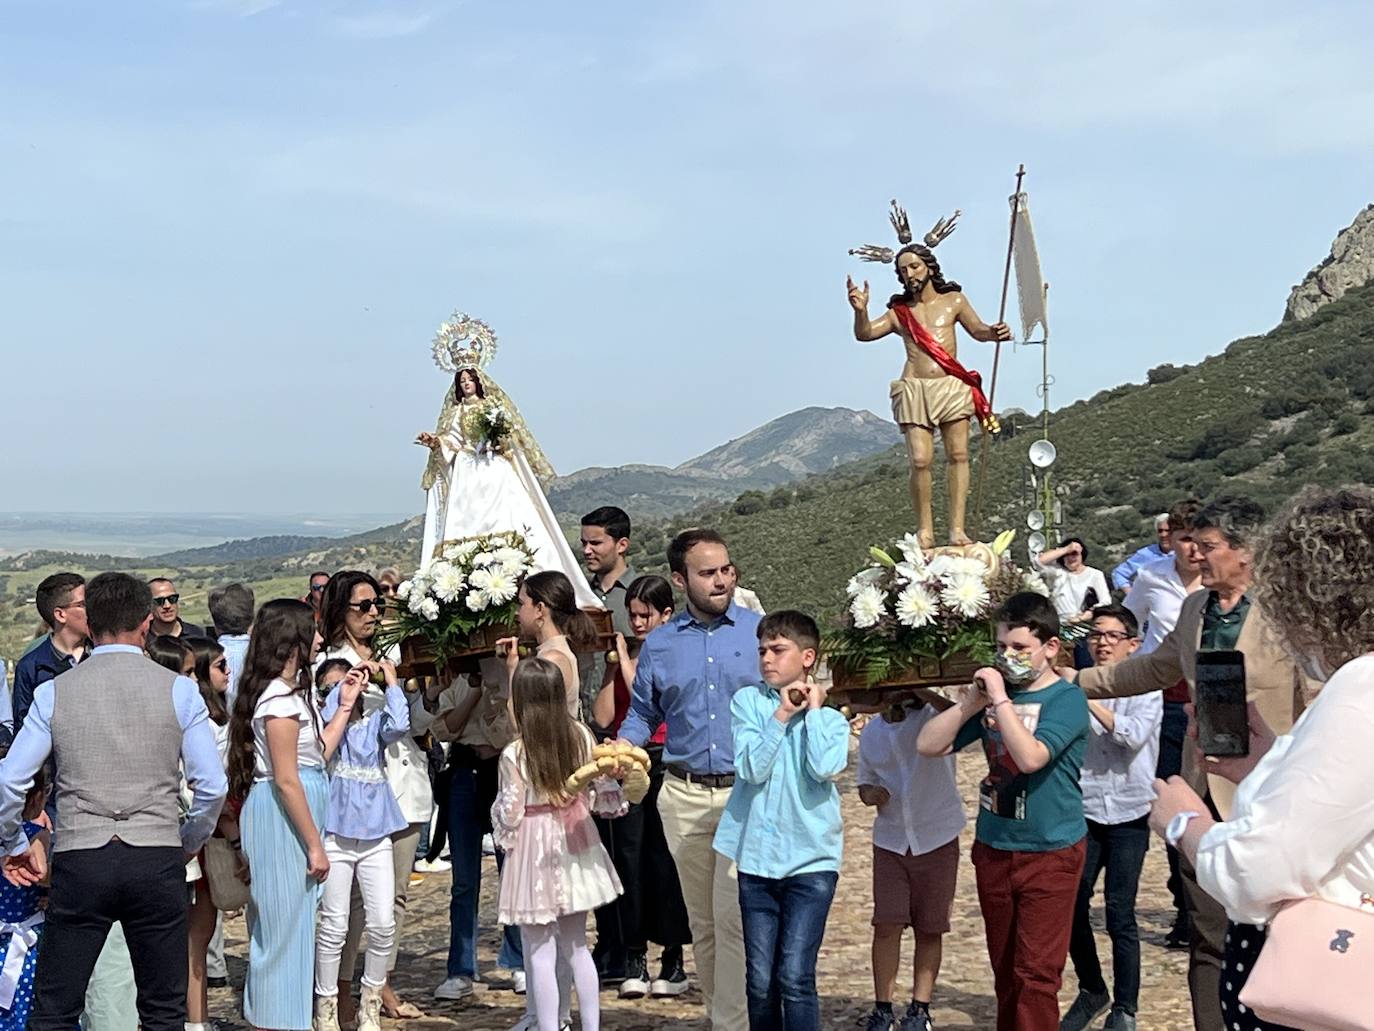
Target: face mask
column 1015, row 668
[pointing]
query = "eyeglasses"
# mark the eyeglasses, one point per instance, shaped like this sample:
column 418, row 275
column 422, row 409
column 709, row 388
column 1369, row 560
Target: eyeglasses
column 1110, row 636
column 367, row 605
column 221, row 664
column 317, row 588
column 166, row 599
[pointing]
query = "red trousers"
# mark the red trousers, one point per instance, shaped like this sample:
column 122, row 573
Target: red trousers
column 1028, row 900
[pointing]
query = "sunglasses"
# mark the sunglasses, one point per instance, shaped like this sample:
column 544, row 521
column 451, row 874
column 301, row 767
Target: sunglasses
column 166, row 599
column 318, row 588
column 221, row 664
column 388, row 589
column 367, row 605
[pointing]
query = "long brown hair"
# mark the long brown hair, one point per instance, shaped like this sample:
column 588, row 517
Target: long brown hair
column 207, row 652
column 554, row 743
column 334, row 605
column 554, row 591
column 282, row 630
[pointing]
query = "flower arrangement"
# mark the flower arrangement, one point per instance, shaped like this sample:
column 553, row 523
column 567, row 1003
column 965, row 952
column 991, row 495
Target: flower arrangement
column 925, row 608
column 493, row 424
column 471, row 584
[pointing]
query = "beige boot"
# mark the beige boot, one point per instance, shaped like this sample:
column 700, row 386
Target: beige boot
column 370, row 1009
column 326, row 1013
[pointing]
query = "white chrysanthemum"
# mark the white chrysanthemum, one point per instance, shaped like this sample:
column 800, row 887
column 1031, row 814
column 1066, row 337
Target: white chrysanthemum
column 1035, row 582
column 909, row 573
column 910, row 547
column 915, row 607
column 438, row 568
column 509, row 556
column 403, row 590
column 429, row 609
column 500, row 586
column 868, row 606
column 966, row 595
column 484, row 558
column 863, row 578
column 476, row 601
column 463, row 550
column 449, row 584
column 416, row 602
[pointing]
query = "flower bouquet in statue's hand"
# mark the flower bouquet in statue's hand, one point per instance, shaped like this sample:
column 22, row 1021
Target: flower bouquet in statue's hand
column 494, row 425
column 925, row 618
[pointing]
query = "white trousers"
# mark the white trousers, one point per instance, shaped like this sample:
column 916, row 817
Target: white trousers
column 371, row 863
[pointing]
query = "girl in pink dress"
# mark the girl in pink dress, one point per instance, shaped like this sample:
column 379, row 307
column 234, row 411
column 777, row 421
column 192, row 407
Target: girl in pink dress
column 556, row 869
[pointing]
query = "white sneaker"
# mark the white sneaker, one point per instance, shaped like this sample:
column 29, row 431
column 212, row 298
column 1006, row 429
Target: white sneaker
column 456, row 987
column 434, row 866
column 488, row 845
column 517, row 982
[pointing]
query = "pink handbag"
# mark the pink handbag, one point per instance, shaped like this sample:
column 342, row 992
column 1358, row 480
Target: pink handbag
column 1316, row 967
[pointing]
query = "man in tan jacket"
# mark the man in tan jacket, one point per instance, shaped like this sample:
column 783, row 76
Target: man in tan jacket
column 1222, row 616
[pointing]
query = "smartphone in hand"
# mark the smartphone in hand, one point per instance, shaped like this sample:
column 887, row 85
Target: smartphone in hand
column 1223, row 725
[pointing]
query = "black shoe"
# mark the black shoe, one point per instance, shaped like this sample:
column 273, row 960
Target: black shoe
column 217, row 982
column 671, row 979
column 636, row 984
column 916, row 1020
column 1180, row 936
column 879, row 1020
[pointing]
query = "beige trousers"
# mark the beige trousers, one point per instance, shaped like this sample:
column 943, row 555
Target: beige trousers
column 710, row 887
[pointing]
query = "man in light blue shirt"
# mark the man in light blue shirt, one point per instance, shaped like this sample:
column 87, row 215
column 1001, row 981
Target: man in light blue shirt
column 1123, row 574
column 120, row 728
column 689, row 670
column 782, row 825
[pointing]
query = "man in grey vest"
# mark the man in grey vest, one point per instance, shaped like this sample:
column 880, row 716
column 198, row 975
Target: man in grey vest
column 119, row 727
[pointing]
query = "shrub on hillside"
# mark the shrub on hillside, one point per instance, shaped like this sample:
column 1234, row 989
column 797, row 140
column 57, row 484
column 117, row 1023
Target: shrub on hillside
column 1164, row 373
column 1344, row 424
column 1240, row 459
column 749, row 502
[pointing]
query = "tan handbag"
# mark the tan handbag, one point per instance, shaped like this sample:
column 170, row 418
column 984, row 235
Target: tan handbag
column 221, row 862
column 1314, row 970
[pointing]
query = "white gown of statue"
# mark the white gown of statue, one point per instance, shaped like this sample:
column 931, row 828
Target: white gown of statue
column 476, row 491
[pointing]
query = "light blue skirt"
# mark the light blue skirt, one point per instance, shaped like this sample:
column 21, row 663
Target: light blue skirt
column 279, row 990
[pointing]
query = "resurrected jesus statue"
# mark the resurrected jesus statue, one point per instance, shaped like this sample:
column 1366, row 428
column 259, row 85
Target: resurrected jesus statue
column 935, row 391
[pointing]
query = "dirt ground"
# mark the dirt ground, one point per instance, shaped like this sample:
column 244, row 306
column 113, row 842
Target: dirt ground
column 963, row 997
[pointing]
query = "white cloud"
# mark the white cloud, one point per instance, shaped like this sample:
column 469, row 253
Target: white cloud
column 381, row 24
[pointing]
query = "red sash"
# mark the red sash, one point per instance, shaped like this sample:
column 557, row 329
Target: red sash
column 948, row 362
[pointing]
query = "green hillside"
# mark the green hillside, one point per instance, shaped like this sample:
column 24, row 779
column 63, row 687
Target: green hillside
column 1270, row 414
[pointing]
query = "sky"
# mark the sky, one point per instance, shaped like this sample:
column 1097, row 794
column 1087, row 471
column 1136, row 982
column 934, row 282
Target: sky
column 230, row 228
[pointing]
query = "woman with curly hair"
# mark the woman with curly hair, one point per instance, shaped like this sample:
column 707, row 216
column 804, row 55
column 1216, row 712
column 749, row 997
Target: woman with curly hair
column 1302, row 825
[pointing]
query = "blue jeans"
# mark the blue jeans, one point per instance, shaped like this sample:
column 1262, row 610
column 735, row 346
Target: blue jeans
column 466, row 824
column 1119, row 851
column 784, row 921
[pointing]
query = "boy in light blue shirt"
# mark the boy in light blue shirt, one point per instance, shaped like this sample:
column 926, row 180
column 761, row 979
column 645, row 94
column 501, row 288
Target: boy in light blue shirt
column 782, row 824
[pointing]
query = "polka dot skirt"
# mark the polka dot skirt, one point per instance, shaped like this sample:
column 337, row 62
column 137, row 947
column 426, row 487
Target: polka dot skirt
column 1243, row 945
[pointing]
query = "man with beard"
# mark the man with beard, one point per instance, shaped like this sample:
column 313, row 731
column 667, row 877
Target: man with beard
column 934, row 389
column 689, row 670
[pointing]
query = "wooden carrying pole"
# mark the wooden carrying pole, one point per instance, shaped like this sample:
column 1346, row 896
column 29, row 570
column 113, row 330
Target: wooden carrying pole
column 997, row 355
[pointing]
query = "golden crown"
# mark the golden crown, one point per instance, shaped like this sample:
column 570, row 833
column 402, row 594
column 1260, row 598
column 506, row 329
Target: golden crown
column 463, row 342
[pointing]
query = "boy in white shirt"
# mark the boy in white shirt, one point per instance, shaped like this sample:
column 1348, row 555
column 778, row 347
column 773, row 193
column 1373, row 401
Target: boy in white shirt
column 915, row 854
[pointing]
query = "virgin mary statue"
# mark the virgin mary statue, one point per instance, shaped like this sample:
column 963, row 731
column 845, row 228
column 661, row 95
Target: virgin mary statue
column 485, row 467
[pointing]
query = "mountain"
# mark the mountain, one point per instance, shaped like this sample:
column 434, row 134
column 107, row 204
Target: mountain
column 801, row 443
column 1350, row 264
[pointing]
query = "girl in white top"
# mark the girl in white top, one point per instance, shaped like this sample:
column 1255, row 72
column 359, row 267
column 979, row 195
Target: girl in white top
column 278, row 748
column 1076, row 588
column 1302, row 824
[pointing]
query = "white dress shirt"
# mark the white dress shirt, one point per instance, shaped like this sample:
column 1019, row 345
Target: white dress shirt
column 1302, row 824
column 1155, row 597
column 1118, row 776
column 925, row 810
column 1068, row 590
column 407, row 766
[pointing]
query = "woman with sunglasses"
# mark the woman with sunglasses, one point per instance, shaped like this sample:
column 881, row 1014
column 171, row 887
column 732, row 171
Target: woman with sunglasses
column 351, row 613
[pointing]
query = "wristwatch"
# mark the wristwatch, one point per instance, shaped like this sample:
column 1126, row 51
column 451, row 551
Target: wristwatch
column 1174, row 831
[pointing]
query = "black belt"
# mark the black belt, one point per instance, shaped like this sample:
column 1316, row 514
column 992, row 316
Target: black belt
column 706, row 780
